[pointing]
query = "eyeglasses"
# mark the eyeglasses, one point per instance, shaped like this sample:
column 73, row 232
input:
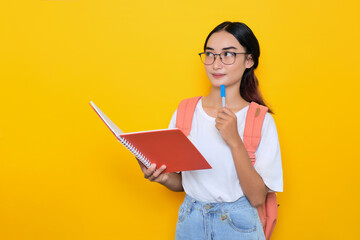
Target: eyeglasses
column 226, row 58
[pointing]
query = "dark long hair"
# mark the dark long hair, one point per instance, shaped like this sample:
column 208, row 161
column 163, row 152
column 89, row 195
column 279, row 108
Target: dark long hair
column 249, row 87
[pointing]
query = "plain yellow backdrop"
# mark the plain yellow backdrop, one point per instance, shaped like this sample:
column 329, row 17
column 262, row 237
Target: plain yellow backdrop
column 64, row 176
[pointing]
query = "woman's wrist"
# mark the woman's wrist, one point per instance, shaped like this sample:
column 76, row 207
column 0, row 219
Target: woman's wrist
column 236, row 144
column 173, row 181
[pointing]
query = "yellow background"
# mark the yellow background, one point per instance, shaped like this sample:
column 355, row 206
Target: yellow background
column 64, row 176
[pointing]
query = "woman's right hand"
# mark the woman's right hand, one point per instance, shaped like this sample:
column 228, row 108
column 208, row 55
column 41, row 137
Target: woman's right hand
column 155, row 175
column 171, row 180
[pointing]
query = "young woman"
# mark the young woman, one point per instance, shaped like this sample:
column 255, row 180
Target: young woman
column 221, row 202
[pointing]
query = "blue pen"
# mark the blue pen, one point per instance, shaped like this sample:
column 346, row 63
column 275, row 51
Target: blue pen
column 223, row 94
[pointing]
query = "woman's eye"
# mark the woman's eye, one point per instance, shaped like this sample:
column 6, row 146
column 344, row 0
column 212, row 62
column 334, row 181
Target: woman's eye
column 228, row 54
column 209, row 54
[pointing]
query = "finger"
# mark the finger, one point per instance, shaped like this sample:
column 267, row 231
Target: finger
column 220, row 126
column 228, row 111
column 220, row 121
column 148, row 172
column 227, row 115
column 157, row 173
column 222, row 115
column 221, row 110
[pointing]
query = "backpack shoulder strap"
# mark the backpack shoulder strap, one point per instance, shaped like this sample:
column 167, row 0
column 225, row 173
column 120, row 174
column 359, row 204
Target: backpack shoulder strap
column 253, row 125
column 185, row 113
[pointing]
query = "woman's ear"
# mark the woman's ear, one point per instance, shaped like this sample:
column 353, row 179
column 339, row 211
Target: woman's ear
column 249, row 61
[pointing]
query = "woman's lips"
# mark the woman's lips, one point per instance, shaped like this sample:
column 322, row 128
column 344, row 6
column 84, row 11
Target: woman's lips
column 218, row 75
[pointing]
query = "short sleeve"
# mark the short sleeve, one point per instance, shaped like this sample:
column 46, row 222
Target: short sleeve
column 268, row 156
column 173, row 120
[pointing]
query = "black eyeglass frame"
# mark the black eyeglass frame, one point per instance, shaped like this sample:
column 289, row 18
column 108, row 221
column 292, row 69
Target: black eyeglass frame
column 219, row 54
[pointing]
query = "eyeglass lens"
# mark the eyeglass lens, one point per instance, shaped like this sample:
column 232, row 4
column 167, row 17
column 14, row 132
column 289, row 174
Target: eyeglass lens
column 226, row 58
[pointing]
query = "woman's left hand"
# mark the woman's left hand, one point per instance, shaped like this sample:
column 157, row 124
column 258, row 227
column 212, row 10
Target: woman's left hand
column 226, row 123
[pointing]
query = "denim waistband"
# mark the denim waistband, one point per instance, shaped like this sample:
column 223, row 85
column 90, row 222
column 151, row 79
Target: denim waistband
column 242, row 202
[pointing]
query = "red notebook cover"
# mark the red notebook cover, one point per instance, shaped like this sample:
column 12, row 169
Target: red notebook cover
column 168, row 147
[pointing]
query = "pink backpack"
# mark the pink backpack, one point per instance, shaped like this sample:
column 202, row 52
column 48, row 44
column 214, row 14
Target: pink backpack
column 252, row 135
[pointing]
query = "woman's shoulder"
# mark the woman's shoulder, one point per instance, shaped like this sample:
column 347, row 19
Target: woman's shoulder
column 269, row 118
column 269, row 125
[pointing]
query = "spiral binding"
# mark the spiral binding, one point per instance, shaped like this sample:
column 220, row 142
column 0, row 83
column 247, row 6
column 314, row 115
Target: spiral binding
column 136, row 152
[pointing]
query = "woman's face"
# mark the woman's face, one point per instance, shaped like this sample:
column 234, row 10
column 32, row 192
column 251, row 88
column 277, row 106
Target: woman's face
column 219, row 73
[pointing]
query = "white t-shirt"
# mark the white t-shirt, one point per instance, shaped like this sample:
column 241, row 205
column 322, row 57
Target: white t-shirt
column 221, row 184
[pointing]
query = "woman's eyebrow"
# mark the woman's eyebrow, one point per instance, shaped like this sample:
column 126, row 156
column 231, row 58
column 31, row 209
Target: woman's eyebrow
column 226, row 48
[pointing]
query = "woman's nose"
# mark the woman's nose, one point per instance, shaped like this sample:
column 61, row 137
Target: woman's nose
column 217, row 63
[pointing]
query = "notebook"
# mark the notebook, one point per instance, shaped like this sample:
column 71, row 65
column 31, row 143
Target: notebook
column 168, row 147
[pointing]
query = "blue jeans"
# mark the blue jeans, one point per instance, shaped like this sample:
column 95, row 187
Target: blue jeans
column 229, row 220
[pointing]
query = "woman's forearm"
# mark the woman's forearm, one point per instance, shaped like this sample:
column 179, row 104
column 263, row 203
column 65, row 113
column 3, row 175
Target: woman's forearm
column 251, row 182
